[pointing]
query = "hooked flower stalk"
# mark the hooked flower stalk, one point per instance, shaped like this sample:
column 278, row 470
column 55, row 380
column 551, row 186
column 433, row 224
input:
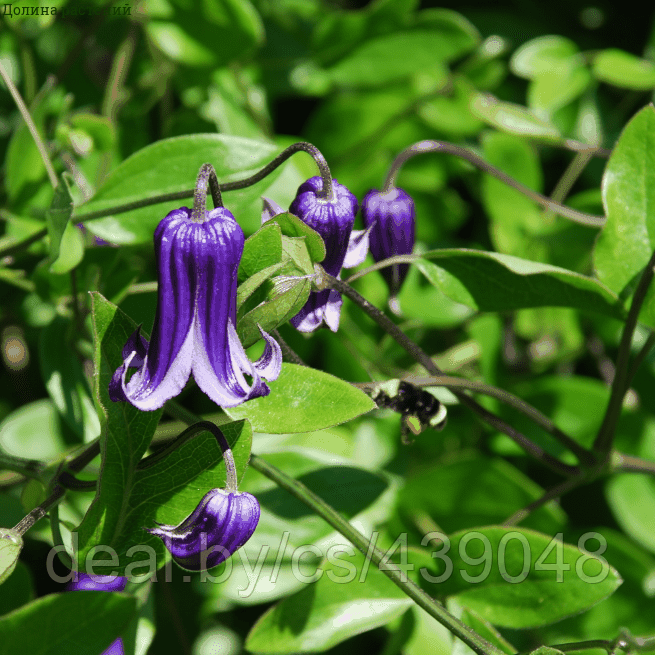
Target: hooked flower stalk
column 221, row 523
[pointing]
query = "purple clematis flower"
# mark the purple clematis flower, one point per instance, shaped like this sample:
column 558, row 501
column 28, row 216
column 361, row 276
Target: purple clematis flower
column 86, row 582
column 194, row 329
column 333, row 219
column 219, row 526
column 391, row 218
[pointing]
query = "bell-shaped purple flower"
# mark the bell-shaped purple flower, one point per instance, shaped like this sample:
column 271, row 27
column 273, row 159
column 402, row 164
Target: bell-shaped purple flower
column 391, row 218
column 333, row 219
column 219, row 526
column 194, row 329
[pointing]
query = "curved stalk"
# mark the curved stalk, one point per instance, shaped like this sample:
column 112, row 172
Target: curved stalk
column 464, row 153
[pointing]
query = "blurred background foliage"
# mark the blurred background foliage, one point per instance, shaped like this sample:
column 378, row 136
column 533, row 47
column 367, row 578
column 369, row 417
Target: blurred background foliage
column 524, row 84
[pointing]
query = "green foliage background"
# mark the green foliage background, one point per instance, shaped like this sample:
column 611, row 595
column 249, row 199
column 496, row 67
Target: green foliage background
column 131, row 100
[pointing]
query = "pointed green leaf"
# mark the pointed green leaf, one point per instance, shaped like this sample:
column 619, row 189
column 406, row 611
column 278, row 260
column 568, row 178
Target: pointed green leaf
column 11, row 543
column 169, row 166
column 513, row 119
column 490, row 281
column 624, row 70
column 59, row 623
column 341, row 604
column 303, row 399
column 517, row 578
column 627, row 240
column 58, row 216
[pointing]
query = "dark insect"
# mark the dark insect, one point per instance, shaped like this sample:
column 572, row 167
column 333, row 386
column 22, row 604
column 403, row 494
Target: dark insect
column 419, row 408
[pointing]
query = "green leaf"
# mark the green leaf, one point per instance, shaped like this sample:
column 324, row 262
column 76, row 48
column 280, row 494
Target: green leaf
column 516, row 580
column 482, row 627
column 129, row 499
column 513, row 119
column 58, row 217
column 391, row 57
column 517, row 222
column 59, row 623
column 444, row 493
column 126, row 433
column 624, row 70
column 11, row 543
column 538, row 56
column 169, row 166
column 65, row 381
column 261, row 250
column 33, row 431
column 338, row 606
column 292, row 226
column 287, row 298
column 71, row 250
column 247, row 288
column 627, row 240
column 490, row 281
column 559, row 86
column 18, row 589
column 303, row 399
column 631, row 497
column 213, row 33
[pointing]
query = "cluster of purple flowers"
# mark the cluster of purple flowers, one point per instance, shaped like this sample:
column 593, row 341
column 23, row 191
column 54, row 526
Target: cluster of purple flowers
column 197, row 256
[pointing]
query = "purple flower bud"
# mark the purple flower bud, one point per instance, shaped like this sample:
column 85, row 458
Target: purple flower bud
column 333, row 219
column 194, row 329
column 392, row 218
column 86, row 582
column 219, row 526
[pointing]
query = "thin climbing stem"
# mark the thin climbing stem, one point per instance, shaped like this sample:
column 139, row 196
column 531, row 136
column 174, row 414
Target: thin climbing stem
column 22, row 108
column 451, row 382
column 555, row 492
column 603, row 442
column 429, row 146
column 325, row 280
column 206, row 178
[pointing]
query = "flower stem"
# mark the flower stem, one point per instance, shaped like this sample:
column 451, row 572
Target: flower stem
column 603, row 442
column 227, row 186
column 198, row 426
column 364, row 545
column 75, row 465
column 206, row 176
column 15, row 94
column 425, row 360
column 422, row 147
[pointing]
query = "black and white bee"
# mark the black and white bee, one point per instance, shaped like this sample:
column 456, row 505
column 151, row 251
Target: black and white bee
column 418, row 408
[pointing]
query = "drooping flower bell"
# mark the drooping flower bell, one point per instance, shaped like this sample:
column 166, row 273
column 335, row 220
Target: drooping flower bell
column 223, row 521
column 391, row 217
column 197, row 254
column 86, row 582
column 332, row 216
